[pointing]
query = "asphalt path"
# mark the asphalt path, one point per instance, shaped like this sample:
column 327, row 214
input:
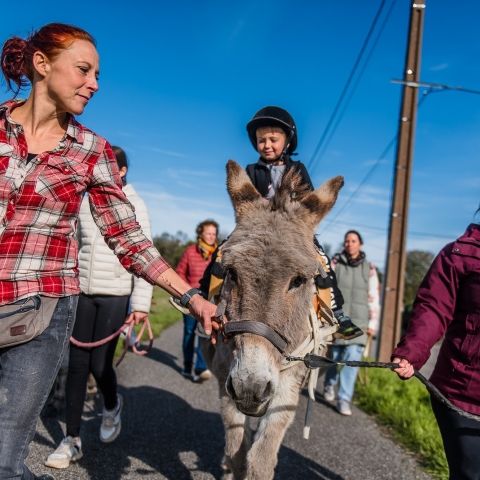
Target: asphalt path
column 172, row 430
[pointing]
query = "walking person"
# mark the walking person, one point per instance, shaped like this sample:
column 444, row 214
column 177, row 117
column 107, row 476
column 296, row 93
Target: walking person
column 48, row 161
column 448, row 305
column 358, row 280
column 273, row 134
column 191, row 268
column 108, row 291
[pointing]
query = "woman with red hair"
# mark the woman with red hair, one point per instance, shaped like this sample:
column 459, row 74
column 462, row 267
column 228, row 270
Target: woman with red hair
column 48, row 161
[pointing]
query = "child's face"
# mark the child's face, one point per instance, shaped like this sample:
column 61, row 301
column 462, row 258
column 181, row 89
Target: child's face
column 270, row 143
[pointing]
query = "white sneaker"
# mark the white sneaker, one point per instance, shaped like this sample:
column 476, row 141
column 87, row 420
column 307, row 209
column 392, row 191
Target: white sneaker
column 69, row 450
column 202, row 376
column 111, row 422
column 343, row 407
column 329, row 393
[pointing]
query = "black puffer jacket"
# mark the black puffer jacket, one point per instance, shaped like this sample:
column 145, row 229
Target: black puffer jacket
column 260, row 176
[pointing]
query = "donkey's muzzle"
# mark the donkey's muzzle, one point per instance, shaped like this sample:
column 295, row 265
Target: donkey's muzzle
column 252, row 399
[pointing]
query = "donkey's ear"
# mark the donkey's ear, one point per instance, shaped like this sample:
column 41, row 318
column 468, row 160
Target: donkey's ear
column 241, row 190
column 319, row 202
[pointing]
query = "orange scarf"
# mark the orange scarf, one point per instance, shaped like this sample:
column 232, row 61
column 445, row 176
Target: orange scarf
column 206, row 249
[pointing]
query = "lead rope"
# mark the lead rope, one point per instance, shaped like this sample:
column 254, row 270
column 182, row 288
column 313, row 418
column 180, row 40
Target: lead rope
column 318, row 342
column 128, row 327
column 313, row 379
column 316, row 361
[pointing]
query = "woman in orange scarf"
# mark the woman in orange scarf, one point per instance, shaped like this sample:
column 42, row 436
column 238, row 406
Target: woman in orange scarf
column 191, row 267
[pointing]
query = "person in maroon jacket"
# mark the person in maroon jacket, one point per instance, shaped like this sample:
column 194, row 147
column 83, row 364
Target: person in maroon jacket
column 448, row 305
column 191, row 267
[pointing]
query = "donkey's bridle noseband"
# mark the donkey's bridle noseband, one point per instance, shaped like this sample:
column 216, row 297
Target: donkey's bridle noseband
column 256, row 328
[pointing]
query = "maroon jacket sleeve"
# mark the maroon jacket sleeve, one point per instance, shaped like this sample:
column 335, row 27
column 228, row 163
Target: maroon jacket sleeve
column 433, row 310
column 182, row 266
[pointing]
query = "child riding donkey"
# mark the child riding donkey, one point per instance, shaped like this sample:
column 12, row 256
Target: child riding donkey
column 273, row 134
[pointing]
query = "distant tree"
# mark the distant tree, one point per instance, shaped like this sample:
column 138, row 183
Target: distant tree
column 418, row 263
column 171, row 246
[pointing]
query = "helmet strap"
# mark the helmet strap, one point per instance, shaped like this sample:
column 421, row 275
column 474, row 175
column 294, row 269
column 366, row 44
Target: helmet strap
column 287, row 144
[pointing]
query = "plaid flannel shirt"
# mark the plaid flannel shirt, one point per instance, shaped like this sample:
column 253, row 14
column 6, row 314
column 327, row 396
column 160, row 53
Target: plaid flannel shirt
column 39, row 206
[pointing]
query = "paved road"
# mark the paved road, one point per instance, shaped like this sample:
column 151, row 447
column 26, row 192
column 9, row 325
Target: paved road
column 171, row 430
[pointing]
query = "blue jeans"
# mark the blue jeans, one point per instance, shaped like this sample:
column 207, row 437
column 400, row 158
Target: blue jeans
column 27, row 373
column 188, row 346
column 345, row 376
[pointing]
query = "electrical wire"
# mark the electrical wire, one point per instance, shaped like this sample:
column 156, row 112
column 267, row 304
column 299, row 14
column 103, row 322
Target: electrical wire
column 372, row 168
column 348, row 82
column 410, row 232
column 326, row 143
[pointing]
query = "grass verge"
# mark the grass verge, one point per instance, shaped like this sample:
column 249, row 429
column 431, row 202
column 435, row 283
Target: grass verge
column 405, row 407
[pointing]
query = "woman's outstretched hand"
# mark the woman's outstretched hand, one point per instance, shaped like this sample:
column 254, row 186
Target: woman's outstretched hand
column 205, row 311
column 405, row 368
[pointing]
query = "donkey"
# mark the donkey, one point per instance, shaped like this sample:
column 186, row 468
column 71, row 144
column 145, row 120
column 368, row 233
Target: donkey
column 270, row 263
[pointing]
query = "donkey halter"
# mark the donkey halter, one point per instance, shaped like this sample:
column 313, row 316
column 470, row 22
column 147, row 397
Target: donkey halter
column 237, row 327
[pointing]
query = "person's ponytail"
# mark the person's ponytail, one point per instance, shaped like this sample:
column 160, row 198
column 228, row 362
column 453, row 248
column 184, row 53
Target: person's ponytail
column 13, row 63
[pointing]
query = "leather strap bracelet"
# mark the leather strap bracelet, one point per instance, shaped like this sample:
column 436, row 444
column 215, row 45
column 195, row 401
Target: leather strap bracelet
column 187, row 296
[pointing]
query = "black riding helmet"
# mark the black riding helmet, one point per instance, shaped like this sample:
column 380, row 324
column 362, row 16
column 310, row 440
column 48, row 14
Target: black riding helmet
column 273, row 117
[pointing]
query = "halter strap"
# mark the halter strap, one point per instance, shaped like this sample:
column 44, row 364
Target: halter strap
column 256, row 328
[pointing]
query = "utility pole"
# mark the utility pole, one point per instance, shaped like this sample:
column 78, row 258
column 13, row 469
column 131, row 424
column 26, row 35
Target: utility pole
column 397, row 233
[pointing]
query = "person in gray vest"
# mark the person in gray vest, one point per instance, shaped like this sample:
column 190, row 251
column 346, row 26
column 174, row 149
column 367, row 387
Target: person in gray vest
column 358, row 280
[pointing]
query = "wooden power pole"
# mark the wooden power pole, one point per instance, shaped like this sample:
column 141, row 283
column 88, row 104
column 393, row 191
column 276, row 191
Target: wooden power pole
column 392, row 308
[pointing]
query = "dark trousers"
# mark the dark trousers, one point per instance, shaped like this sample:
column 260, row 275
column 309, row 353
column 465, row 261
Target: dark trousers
column 98, row 316
column 461, row 441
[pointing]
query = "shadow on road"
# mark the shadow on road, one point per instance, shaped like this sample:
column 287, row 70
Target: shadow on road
column 166, row 358
column 158, row 428
column 291, row 465
column 170, row 438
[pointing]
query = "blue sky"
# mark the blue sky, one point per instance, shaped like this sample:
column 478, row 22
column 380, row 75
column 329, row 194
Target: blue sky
column 179, row 81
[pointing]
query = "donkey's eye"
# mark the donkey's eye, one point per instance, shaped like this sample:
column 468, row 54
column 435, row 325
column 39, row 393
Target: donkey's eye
column 296, row 282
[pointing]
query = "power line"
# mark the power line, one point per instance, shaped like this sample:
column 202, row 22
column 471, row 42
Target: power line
column 373, row 167
column 362, row 183
column 437, row 87
column 349, row 80
column 326, row 143
column 410, row 232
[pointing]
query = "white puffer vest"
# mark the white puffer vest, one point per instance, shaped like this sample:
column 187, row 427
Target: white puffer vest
column 101, row 273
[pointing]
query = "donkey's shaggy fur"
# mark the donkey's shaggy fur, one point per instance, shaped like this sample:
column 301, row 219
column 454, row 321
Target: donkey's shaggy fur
column 272, row 262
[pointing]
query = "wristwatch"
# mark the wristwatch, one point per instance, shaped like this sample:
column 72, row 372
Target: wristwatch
column 187, row 296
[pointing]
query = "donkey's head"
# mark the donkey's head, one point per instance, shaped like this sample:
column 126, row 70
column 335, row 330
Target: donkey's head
column 271, row 262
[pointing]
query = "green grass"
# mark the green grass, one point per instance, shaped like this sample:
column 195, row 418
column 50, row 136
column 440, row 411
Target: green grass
column 161, row 316
column 404, row 406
